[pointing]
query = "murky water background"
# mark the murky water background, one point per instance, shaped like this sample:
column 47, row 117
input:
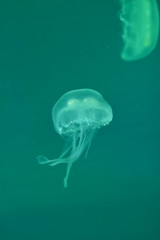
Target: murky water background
column 46, row 49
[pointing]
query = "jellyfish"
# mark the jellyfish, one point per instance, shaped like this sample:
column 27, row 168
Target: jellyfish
column 77, row 115
column 140, row 20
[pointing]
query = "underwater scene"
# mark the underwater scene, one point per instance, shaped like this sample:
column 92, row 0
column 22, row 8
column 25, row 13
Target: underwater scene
column 79, row 120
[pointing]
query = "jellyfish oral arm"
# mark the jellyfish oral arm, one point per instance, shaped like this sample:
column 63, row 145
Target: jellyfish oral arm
column 43, row 160
column 67, row 174
column 53, row 162
column 78, row 145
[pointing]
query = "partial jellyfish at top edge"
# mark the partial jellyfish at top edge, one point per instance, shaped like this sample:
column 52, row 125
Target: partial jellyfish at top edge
column 77, row 115
column 140, row 29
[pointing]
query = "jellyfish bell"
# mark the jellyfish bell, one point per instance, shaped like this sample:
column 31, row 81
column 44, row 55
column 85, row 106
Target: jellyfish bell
column 83, row 107
column 76, row 117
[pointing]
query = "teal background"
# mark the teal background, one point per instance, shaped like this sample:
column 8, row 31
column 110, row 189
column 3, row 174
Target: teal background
column 46, row 49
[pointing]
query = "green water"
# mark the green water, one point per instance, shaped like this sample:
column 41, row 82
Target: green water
column 46, row 49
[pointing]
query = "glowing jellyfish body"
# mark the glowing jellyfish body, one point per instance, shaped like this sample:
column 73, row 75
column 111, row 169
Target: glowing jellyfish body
column 76, row 117
column 140, row 20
